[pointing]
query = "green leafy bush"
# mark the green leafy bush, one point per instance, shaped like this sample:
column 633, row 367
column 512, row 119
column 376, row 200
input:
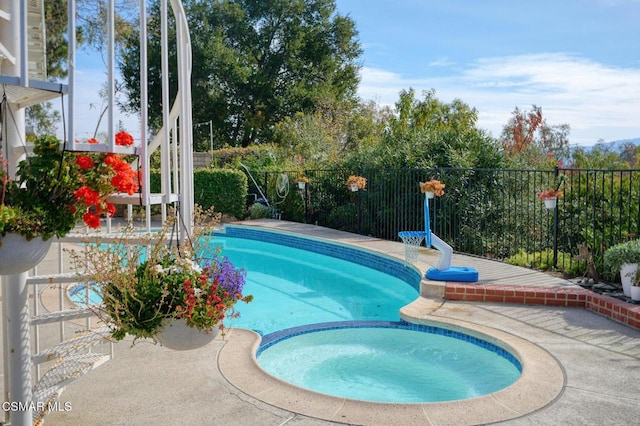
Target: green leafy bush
column 223, row 189
column 260, row 211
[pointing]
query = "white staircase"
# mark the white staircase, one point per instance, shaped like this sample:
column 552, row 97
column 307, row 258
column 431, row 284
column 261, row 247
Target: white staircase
column 36, row 33
column 23, row 82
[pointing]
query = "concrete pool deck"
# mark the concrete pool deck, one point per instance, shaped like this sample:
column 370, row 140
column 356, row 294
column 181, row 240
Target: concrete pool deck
column 593, row 375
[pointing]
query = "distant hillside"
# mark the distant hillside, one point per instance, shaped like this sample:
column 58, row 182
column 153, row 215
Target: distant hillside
column 613, row 146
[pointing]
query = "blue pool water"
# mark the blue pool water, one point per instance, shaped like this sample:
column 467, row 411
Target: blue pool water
column 390, row 363
column 293, row 287
column 79, row 295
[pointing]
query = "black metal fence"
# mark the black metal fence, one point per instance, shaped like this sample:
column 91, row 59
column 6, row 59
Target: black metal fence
column 493, row 213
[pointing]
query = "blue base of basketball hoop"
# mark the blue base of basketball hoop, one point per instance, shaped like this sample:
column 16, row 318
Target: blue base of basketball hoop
column 453, row 273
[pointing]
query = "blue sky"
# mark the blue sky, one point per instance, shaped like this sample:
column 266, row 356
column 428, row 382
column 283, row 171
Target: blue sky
column 577, row 59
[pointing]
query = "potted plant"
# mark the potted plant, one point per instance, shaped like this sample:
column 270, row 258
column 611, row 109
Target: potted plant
column 175, row 294
column 302, row 181
column 52, row 191
column 634, row 288
column 432, row 188
column 550, row 196
column 623, row 258
column 355, row 183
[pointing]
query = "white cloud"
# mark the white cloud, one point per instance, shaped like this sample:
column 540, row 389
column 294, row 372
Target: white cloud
column 441, row 62
column 596, row 100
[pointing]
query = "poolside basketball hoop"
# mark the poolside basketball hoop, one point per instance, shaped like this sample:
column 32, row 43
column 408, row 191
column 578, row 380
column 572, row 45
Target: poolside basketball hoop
column 412, row 241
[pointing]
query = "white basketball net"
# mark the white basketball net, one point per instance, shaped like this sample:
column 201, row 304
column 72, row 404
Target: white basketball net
column 412, row 241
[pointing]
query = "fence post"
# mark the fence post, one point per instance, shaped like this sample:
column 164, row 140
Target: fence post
column 555, row 223
column 306, row 197
column 359, row 200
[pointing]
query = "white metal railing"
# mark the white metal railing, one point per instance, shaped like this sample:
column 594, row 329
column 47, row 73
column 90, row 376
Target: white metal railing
column 50, row 287
column 175, row 141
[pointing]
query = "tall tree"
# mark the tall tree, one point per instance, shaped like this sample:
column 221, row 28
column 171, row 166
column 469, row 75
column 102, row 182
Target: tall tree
column 255, row 63
column 528, row 138
column 430, row 133
column 629, row 153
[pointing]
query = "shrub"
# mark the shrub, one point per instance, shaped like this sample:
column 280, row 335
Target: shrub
column 543, row 260
column 260, row 211
column 223, row 189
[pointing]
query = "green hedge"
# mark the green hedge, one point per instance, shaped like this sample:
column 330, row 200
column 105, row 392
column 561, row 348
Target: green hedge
column 224, row 189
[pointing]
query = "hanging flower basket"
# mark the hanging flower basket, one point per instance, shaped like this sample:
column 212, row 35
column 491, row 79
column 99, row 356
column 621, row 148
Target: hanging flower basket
column 356, row 183
column 550, row 203
column 432, row 188
column 163, row 291
column 550, row 196
column 54, row 189
column 177, row 335
column 17, row 254
column 302, row 181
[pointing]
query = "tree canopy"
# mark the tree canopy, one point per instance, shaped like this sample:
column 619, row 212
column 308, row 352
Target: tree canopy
column 430, row 133
column 528, row 139
column 256, row 62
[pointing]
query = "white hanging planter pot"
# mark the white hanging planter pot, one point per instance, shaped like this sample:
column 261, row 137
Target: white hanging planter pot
column 550, row 203
column 627, row 274
column 17, row 254
column 429, row 194
column 177, row 335
column 353, row 187
column 302, row 185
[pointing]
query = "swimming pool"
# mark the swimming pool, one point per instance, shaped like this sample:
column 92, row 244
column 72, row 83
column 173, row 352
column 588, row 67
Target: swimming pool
column 322, row 283
column 297, row 292
column 79, row 295
column 540, row 381
column 412, row 363
column 293, row 287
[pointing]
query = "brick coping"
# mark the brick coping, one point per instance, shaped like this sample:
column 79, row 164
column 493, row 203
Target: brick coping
column 607, row 306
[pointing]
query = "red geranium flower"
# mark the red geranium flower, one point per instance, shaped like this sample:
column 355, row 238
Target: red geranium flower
column 124, row 181
column 92, row 220
column 124, row 139
column 111, row 159
column 88, row 195
column 111, row 209
column 84, row 162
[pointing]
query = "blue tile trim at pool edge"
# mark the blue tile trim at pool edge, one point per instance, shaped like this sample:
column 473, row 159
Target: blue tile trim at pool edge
column 278, row 336
column 374, row 261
